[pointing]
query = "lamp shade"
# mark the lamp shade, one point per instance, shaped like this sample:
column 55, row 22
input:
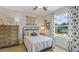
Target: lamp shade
column 42, row 27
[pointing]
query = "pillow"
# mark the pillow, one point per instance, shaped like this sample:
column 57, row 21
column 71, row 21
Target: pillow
column 33, row 34
column 27, row 34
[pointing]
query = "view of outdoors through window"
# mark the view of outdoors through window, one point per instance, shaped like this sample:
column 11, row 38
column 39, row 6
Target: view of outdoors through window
column 61, row 24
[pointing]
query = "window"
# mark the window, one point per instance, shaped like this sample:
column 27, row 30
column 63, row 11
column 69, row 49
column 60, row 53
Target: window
column 61, row 24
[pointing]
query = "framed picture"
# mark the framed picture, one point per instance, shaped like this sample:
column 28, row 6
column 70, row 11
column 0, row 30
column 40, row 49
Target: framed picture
column 47, row 24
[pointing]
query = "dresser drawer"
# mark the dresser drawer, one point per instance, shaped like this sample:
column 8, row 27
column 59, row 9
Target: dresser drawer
column 6, row 27
column 4, row 35
column 13, row 42
column 14, row 35
column 14, row 27
column 2, row 44
column 7, row 31
column 4, row 39
column 2, row 30
column 13, row 38
column 13, row 31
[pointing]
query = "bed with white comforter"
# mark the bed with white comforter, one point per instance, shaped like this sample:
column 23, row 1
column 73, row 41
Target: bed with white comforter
column 37, row 43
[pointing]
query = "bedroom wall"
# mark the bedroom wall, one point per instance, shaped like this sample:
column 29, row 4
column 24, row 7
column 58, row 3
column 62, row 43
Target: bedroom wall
column 49, row 19
column 22, row 23
column 40, row 23
column 31, row 20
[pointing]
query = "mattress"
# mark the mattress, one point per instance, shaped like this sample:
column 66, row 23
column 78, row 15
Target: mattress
column 37, row 43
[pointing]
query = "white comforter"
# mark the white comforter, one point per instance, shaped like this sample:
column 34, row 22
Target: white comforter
column 37, row 43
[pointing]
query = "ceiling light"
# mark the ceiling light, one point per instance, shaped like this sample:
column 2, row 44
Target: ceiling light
column 40, row 7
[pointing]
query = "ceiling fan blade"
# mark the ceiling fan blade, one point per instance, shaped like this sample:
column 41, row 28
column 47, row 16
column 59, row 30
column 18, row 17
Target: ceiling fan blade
column 45, row 8
column 35, row 8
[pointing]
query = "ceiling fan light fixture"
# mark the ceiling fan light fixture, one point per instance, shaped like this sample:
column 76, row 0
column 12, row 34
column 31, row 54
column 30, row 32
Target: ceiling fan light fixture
column 40, row 7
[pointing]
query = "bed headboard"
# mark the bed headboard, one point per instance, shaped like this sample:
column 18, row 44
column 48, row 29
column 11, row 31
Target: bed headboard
column 30, row 28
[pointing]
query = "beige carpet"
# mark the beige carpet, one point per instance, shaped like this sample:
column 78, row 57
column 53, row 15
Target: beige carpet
column 21, row 48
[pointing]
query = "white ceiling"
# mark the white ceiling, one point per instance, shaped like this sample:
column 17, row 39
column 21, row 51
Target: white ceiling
column 37, row 12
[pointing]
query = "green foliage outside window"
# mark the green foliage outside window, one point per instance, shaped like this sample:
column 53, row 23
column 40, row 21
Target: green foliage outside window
column 61, row 28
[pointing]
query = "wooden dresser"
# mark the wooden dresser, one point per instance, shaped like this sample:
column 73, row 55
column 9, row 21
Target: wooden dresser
column 8, row 35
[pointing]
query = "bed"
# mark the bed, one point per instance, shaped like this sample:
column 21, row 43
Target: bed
column 37, row 43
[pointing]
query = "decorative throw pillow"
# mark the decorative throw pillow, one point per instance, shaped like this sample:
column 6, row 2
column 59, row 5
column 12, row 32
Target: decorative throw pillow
column 27, row 34
column 33, row 34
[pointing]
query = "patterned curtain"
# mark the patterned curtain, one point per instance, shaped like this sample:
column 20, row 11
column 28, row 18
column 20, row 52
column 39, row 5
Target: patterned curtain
column 73, row 33
column 52, row 27
column 52, row 30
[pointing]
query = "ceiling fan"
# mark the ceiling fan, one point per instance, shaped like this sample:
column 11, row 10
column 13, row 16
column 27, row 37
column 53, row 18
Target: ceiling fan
column 40, row 7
